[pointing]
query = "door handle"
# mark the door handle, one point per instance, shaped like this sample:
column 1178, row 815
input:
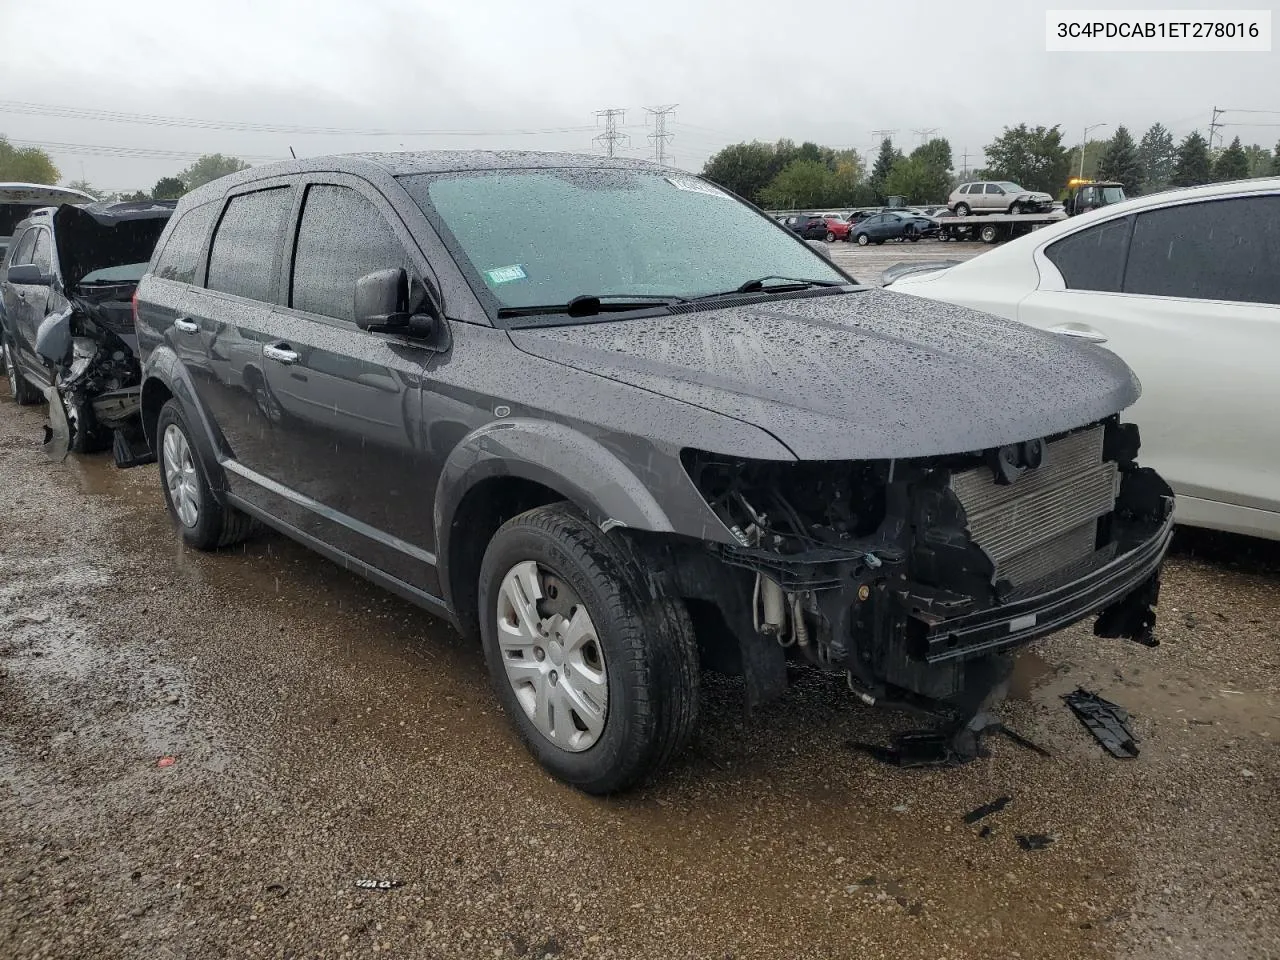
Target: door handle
column 1080, row 333
column 280, row 353
column 183, row 325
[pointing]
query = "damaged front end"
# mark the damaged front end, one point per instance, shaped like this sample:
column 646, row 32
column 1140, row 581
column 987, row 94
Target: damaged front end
column 915, row 577
column 97, row 378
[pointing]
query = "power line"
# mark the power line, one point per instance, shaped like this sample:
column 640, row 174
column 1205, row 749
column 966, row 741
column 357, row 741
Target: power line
column 925, row 133
column 245, row 126
column 611, row 137
column 140, row 153
column 659, row 137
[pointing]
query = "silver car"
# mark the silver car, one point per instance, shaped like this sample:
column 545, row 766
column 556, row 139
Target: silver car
column 997, row 196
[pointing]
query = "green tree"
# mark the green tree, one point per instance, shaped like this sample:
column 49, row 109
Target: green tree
column 168, row 188
column 1156, row 154
column 210, row 167
column 885, row 159
column 936, row 153
column 1192, row 164
column 1033, row 157
column 918, row 181
column 1275, row 162
column 1093, row 151
column 1232, row 164
column 26, row 164
column 802, row 183
column 1120, row 161
column 1259, row 158
column 84, row 186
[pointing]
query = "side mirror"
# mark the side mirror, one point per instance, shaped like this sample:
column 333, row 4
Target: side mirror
column 29, row 273
column 382, row 300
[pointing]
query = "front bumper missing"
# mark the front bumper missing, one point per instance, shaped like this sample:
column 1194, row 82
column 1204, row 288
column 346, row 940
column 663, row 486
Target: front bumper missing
column 1130, row 579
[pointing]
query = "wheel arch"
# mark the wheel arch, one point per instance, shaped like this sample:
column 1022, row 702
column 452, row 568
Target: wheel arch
column 164, row 378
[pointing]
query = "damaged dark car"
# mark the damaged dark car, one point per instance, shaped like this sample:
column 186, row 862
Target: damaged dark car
column 619, row 454
column 68, row 285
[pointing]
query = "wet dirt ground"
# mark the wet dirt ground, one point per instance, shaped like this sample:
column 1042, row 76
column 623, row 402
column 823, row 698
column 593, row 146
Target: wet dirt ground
column 324, row 732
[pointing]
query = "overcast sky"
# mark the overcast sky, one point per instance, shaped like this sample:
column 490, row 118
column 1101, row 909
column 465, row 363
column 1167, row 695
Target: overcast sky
column 486, row 69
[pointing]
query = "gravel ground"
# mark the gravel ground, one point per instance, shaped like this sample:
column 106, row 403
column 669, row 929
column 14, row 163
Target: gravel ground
column 324, row 732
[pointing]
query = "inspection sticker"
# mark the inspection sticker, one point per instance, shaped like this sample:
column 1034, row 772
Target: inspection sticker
column 694, row 185
column 505, row 274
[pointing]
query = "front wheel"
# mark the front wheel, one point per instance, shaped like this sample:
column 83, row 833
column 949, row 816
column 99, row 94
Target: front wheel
column 831, row 237
column 1015, row 208
column 593, row 661
column 863, row 239
column 962, row 209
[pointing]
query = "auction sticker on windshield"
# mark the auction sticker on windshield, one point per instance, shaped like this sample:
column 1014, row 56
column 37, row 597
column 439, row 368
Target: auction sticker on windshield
column 505, row 274
column 694, row 185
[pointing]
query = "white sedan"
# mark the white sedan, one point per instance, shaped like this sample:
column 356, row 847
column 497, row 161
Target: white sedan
column 1185, row 287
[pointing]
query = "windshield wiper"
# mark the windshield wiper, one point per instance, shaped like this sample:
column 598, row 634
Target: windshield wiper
column 591, row 304
column 789, row 284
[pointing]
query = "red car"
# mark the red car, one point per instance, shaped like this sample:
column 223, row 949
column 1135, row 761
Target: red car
column 837, row 228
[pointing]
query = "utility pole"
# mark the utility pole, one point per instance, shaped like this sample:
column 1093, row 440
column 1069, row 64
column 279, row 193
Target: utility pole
column 925, row 134
column 659, row 137
column 1215, row 126
column 964, row 168
column 611, row 137
column 1084, row 142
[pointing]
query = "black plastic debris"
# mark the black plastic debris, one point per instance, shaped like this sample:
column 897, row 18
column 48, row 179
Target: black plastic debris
column 379, row 884
column 985, row 832
column 947, row 747
column 995, row 806
column 1108, row 722
column 1033, row 841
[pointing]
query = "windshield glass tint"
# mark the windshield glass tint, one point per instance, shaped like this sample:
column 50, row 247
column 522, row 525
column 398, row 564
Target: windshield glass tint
column 535, row 237
column 128, row 273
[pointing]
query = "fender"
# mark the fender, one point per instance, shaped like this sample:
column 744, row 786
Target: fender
column 162, row 367
column 556, row 456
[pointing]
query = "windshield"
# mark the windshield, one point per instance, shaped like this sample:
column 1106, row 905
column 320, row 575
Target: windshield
column 128, row 273
column 1010, row 187
column 537, row 237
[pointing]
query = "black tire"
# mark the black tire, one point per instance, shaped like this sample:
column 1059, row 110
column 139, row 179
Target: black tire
column 862, row 239
column 962, row 209
column 24, row 393
column 646, row 637
column 1015, row 208
column 215, row 525
column 989, row 233
column 831, row 237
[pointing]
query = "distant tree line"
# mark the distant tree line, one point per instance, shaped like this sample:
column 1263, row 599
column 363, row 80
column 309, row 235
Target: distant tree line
column 782, row 175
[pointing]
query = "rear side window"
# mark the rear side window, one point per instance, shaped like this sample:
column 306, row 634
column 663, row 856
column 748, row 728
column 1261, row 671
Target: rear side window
column 245, row 245
column 41, row 255
column 182, row 251
column 1093, row 259
column 22, row 254
column 342, row 237
column 1215, row 250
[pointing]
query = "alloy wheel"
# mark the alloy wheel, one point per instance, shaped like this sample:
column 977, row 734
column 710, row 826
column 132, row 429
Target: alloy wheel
column 180, row 476
column 552, row 656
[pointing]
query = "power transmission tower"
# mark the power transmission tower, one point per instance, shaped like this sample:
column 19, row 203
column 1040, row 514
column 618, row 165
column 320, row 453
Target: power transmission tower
column 964, row 160
column 881, row 135
column 659, row 137
column 925, row 133
column 611, row 137
column 1215, row 126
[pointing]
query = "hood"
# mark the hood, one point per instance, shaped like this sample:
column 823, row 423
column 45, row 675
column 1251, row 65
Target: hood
column 95, row 236
column 864, row 375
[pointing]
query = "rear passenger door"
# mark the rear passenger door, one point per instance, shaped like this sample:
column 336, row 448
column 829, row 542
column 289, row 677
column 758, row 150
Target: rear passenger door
column 350, row 401
column 15, row 295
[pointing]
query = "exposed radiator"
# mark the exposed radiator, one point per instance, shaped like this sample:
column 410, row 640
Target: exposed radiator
column 1047, row 518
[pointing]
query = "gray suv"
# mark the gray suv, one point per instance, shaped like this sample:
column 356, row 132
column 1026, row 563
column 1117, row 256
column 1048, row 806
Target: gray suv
column 524, row 392
column 997, row 196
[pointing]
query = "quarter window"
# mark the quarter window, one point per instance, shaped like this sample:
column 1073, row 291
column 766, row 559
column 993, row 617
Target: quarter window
column 1213, row 250
column 244, row 248
column 342, row 237
column 182, row 250
column 1092, row 259
column 22, row 254
column 40, row 256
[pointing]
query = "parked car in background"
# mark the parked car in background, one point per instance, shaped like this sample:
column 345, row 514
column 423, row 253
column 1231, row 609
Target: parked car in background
column 837, row 227
column 997, row 196
column 68, row 282
column 1184, row 286
column 19, row 200
column 892, row 225
column 661, row 486
column 807, row 226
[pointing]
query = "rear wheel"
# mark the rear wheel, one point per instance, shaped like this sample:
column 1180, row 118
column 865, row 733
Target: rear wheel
column 203, row 522
column 989, row 233
column 831, row 237
column 23, row 393
column 962, row 209
column 593, row 662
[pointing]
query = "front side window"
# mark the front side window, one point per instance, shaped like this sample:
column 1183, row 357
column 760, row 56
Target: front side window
column 342, row 237
column 1092, row 259
column 181, row 252
column 243, row 255
column 543, row 237
column 993, row 188
column 1213, row 250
